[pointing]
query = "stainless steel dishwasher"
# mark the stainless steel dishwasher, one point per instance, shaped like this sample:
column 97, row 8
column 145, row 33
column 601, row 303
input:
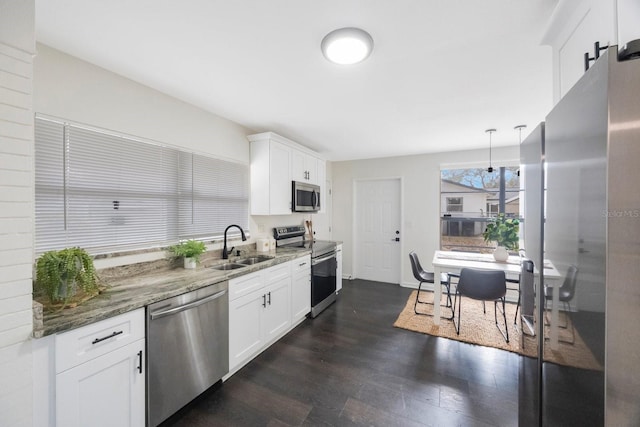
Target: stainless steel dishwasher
column 187, row 348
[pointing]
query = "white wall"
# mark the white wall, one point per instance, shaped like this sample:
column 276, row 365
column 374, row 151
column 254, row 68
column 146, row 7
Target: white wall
column 628, row 19
column 16, row 210
column 421, row 175
column 72, row 89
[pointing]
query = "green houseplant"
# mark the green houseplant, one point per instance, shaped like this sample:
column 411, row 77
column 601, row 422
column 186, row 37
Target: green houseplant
column 504, row 231
column 60, row 273
column 190, row 250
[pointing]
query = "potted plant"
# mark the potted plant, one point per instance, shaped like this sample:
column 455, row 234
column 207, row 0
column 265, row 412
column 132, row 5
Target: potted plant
column 60, row 273
column 503, row 231
column 190, row 250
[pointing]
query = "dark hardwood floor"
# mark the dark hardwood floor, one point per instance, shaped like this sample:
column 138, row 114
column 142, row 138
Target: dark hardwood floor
column 351, row 367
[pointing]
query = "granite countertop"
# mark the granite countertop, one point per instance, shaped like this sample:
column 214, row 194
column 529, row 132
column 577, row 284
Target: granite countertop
column 129, row 291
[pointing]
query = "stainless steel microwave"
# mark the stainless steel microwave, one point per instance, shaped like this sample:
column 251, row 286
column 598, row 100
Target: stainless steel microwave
column 305, row 197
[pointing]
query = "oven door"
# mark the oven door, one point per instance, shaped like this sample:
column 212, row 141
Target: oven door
column 323, row 282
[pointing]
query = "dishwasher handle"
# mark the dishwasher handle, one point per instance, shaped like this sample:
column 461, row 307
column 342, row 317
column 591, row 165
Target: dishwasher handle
column 176, row 310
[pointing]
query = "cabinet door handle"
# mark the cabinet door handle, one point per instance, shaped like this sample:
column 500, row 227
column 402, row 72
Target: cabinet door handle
column 140, row 361
column 269, row 298
column 264, row 300
column 97, row 340
column 300, row 265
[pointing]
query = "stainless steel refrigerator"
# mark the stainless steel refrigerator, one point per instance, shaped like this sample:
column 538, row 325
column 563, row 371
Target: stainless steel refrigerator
column 591, row 194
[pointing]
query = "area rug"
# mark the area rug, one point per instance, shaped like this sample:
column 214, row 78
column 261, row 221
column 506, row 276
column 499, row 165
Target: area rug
column 479, row 328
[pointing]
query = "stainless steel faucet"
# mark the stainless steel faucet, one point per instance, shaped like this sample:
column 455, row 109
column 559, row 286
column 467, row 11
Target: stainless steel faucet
column 225, row 252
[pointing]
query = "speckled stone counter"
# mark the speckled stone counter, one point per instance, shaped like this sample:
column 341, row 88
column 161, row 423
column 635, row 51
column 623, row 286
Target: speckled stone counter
column 137, row 286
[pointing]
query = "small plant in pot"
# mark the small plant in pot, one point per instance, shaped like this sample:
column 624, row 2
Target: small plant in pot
column 190, row 250
column 503, row 231
column 60, row 274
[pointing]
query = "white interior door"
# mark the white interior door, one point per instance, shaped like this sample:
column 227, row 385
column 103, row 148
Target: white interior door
column 377, row 230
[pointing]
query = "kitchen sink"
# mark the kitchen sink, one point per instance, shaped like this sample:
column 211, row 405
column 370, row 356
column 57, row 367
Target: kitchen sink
column 255, row 259
column 228, row 266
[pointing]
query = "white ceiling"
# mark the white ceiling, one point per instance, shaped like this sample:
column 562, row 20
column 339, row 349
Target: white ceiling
column 441, row 72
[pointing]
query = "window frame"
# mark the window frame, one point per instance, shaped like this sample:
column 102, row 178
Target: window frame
column 165, row 196
column 468, row 224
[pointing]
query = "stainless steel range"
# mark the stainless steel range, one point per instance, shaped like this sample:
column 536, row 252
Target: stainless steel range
column 323, row 264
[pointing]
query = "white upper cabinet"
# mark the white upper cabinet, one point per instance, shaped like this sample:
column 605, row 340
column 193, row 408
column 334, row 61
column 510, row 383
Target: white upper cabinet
column 304, row 167
column 322, row 182
column 572, row 32
column 270, row 177
column 276, row 162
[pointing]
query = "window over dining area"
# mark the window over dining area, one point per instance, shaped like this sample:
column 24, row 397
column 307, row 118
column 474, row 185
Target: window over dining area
column 469, row 198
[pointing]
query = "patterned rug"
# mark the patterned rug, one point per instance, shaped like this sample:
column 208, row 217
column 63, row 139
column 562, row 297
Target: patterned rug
column 479, row 328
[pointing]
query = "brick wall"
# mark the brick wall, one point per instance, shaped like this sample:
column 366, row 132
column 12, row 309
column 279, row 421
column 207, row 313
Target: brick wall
column 16, row 211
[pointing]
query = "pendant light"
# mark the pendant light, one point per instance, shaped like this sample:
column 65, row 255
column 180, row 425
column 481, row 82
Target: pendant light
column 490, row 131
column 519, row 128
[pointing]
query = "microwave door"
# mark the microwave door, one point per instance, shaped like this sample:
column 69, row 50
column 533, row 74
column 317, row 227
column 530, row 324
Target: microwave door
column 306, row 197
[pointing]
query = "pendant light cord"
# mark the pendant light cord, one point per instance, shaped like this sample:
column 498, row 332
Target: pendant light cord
column 520, row 127
column 490, row 168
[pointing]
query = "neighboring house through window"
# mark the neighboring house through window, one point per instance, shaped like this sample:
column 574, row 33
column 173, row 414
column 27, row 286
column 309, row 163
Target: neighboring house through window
column 455, row 204
column 469, row 197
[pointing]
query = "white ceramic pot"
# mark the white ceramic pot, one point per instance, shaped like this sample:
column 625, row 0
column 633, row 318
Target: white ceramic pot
column 189, row 263
column 501, row 254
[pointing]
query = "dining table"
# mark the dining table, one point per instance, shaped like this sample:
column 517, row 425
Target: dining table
column 454, row 262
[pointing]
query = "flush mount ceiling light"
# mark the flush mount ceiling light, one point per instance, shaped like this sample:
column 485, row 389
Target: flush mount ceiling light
column 347, row 46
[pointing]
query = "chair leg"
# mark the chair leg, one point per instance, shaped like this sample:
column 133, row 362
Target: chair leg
column 418, row 296
column 415, row 305
column 505, row 334
column 459, row 300
column 567, row 314
column 446, row 286
column 515, row 318
column 449, row 304
column 573, row 328
column 547, row 322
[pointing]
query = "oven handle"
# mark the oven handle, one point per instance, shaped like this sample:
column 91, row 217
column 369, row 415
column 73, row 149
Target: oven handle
column 181, row 308
column 316, row 261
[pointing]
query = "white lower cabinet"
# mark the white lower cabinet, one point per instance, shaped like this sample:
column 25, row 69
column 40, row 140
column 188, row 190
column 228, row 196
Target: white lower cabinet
column 257, row 318
column 339, row 268
column 245, row 327
column 106, row 391
column 300, row 288
column 100, row 373
column 265, row 305
column 277, row 313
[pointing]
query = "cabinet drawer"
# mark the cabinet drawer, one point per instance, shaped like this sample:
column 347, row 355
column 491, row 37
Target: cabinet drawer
column 88, row 342
column 277, row 273
column 301, row 264
column 245, row 284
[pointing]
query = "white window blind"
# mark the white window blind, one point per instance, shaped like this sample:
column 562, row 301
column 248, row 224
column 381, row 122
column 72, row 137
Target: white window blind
column 105, row 192
column 212, row 193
